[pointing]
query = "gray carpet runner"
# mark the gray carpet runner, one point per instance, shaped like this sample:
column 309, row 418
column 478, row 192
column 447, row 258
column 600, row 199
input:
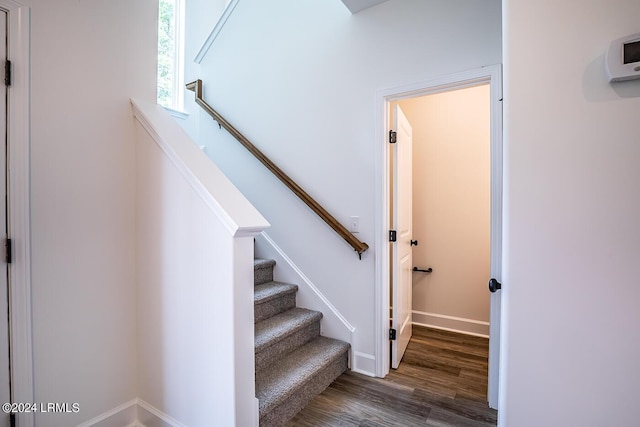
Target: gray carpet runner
column 293, row 362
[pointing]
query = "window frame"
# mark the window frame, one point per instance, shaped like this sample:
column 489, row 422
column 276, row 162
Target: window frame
column 176, row 101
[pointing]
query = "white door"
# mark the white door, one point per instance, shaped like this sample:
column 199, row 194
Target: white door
column 5, row 393
column 402, row 224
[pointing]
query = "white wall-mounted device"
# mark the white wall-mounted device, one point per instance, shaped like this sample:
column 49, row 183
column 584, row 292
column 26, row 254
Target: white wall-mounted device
column 623, row 59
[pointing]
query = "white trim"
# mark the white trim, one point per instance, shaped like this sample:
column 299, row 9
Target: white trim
column 497, row 185
column 491, row 74
column 180, row 37
column 256, row 411
column 203, row 176
column 132, row 412
column 228, row 10
column 176, row 99
column 113, row 417
column 364, row 363
column 177, row 114
column 310, row 285
column 451, row 323
column 457, row 331
column 160, row 416
column 381, row 241
column 19, row 216
column 455, row 318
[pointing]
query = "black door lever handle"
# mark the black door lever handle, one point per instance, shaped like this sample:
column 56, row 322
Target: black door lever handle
column 494, row 285
column 414, row 243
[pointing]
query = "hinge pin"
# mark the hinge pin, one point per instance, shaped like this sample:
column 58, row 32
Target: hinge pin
column 393, row 137
column 7, row 73
column 9, row 251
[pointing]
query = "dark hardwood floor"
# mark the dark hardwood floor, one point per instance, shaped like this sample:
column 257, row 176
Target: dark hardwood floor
column 442, row 381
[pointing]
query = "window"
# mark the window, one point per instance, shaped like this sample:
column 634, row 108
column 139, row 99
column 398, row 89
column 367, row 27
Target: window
column 170, row 53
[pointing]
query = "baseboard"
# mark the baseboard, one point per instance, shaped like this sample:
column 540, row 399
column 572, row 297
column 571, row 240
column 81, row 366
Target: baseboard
column 149, row 416
column 363, row 363
column 122, row 415
column 134, row 413
column 450, row 323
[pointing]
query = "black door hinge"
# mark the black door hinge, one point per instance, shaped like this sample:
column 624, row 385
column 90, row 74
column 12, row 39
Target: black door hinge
column 7, row 73
column 392, row 334
column 12, row 419
column 393, row 137
column 392, row 235
column 9, row 251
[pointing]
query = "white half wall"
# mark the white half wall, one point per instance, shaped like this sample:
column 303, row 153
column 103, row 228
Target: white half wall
column 571, row 341
column 299, row 80
column 195, row 280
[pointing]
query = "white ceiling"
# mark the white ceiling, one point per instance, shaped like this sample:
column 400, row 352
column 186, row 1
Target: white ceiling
column 356, row 6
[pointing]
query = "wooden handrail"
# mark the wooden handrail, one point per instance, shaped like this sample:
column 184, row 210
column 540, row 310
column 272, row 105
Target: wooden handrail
column 356, row 244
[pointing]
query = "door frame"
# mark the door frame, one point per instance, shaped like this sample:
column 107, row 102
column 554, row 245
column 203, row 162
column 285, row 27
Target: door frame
column 493, row 76
column 18, row 213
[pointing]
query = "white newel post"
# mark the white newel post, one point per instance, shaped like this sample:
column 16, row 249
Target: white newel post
column 247, row 406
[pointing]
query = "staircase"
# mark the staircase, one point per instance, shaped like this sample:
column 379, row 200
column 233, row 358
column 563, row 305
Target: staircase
column 293, row 362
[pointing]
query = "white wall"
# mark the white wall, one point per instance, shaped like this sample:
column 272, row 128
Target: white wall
column 299, row 79
column 571, row 341
column 88, row 59
column 451, row 208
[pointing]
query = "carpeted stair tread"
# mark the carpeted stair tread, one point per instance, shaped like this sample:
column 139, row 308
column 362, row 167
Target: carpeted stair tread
column 263, row 263
column 276, row 328
column 293, row 363
column 289, row 376
column 272, row 290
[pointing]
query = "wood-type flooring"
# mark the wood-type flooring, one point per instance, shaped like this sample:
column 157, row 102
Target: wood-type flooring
column 442, row 381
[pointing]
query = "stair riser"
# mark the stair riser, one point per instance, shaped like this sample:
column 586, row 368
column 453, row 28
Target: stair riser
column 285, row 346
column 280, row 414
column 262, row 275
column 274, row 306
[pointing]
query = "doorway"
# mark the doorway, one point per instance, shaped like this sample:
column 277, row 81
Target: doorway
column 490, row 79
column 451, row 208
